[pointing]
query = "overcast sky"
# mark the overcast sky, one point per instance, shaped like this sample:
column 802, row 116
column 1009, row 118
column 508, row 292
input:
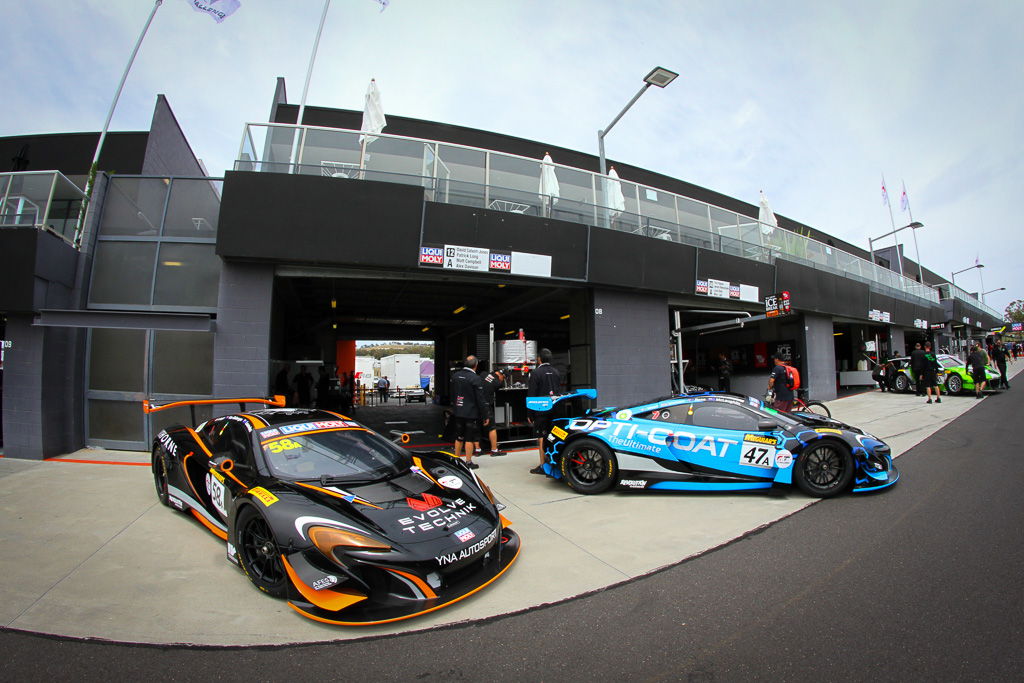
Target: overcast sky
column 810, row 101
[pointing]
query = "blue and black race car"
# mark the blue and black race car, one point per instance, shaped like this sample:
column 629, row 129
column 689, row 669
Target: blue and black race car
column 714, row 442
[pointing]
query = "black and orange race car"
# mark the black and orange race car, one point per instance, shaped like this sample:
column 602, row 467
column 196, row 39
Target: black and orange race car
column 346, row 525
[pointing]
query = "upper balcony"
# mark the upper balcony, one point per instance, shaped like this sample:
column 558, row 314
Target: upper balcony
column 45, row 200
column 949, row 290
column 469, row 176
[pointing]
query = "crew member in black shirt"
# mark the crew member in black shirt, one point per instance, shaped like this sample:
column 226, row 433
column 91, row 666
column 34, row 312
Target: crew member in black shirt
column 493, row 381
column 1001, row 355
column 544, row 381
column 468, row 401
column 917, row 367
column 778, row 382
column 977, row 362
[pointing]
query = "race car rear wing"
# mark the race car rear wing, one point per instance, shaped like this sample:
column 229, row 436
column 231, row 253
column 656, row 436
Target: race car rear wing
column 148, row 406
column 545, row 403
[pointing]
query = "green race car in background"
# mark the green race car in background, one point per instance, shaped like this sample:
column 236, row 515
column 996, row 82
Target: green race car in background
column 958, row 377
column 954, row 376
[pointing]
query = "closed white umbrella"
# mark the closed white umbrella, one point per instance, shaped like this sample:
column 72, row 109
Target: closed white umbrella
column 616, row 202
column 767, row 217
column 373, row 114
column 548, row 180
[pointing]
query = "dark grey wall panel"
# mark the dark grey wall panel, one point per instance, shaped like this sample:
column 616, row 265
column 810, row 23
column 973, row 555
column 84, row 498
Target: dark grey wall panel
column 631, row 347
column 625, row 260
column 167, row 150
column 310, row 219
column 821, row 291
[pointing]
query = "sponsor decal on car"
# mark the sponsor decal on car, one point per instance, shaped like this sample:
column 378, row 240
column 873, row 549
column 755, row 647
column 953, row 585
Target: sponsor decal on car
column 239, row 418
column 314, row 426
column 559, row 432
column 450, row 482
column 218, row 492
column 325, row 582
column 633, row 483
column 623, row 415
column 465, row 535
column 630, row 435
column 264, row 496
column 175, row 502
column 429, row 502
column 824, row 430
column 783, row 459
column 468, row 551
column 437, row 517
column 267, row 433
column 167, row 442
column 758, row 438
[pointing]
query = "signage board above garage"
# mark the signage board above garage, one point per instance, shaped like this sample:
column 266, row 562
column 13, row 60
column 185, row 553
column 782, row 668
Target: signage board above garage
column 776, row 305
column 721, row 289
column 480, row 260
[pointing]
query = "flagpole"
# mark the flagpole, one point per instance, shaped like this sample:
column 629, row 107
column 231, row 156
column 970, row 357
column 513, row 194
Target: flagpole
column 309, row 75
column 120, row 86
column 892, row 221
column 917, row 252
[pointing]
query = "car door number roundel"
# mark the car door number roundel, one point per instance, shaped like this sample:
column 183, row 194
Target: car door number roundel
column 757, row 455
column 218, row 493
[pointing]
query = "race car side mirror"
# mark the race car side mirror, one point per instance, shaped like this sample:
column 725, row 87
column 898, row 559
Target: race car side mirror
column 767, row 425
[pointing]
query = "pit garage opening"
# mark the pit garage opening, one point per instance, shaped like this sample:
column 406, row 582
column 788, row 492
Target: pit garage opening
column 321, row 314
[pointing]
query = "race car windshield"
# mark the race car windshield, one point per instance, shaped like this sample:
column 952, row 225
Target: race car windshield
column 339, row 455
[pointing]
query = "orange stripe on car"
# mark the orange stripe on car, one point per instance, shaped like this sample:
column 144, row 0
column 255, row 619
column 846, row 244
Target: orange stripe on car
column 215, row 530
column 407, row 616
column 419, row 463
column 333, row 600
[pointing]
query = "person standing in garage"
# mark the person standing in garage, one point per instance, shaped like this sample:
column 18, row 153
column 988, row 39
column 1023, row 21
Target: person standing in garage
column 469, row 404
column 780, row 385
column 492, row 382
column 544, row 381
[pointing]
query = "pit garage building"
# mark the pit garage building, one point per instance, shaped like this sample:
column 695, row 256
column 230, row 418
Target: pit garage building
column 177, row 285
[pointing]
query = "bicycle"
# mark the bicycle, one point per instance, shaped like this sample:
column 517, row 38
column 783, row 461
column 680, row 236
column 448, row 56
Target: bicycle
column 801, row 405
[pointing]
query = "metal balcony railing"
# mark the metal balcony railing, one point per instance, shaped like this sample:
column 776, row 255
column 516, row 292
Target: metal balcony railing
column 45, row 200
column 458, row 174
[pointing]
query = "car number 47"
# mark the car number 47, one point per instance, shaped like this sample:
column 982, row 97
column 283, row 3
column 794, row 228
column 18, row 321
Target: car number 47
column 757, row 456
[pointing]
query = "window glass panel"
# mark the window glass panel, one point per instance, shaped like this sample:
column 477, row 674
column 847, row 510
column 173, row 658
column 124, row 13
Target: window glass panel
column 187, row 275
column 134, row 206
column 116, row 420
column 193, row 208
column 331, row 153
column 722, row 416
column 117, row 360
column 388, row 159
column 515, row 174
column 122, row 273
column 183, row 363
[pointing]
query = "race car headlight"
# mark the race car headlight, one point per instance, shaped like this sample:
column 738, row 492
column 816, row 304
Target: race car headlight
column 326, row 539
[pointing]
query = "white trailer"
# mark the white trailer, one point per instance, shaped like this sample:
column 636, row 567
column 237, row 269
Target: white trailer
column 402, row 369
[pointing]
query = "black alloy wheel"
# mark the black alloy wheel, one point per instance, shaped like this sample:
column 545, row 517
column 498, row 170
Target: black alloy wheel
column 588, row 466
column 824, row 469
column 258, row 553
column 159, row 463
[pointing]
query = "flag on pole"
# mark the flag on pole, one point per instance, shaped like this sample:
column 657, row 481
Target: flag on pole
column 373, row 114
column 904, row 201
column 885, row 194
column 218, row 10
column 383, row 4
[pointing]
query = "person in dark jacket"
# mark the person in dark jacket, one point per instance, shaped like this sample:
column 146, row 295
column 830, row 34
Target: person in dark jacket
column 468, row 402
column 493, row 381
column 1000, row 356
column 930, row 374
column 544, row 381
column 977, row 361
column 917, row 367
column 724, row 372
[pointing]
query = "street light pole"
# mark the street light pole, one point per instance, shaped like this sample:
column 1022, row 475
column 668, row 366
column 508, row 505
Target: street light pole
column 952, row 279
column 914, row 226
column 997, row 289
column 658, row 76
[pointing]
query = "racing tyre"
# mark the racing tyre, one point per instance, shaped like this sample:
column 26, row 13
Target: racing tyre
column 902, row 382
column 824, row 469
column 818, row 408
column 955, row 384
column 160, row 476
column 588, row 466
column 258, row 553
